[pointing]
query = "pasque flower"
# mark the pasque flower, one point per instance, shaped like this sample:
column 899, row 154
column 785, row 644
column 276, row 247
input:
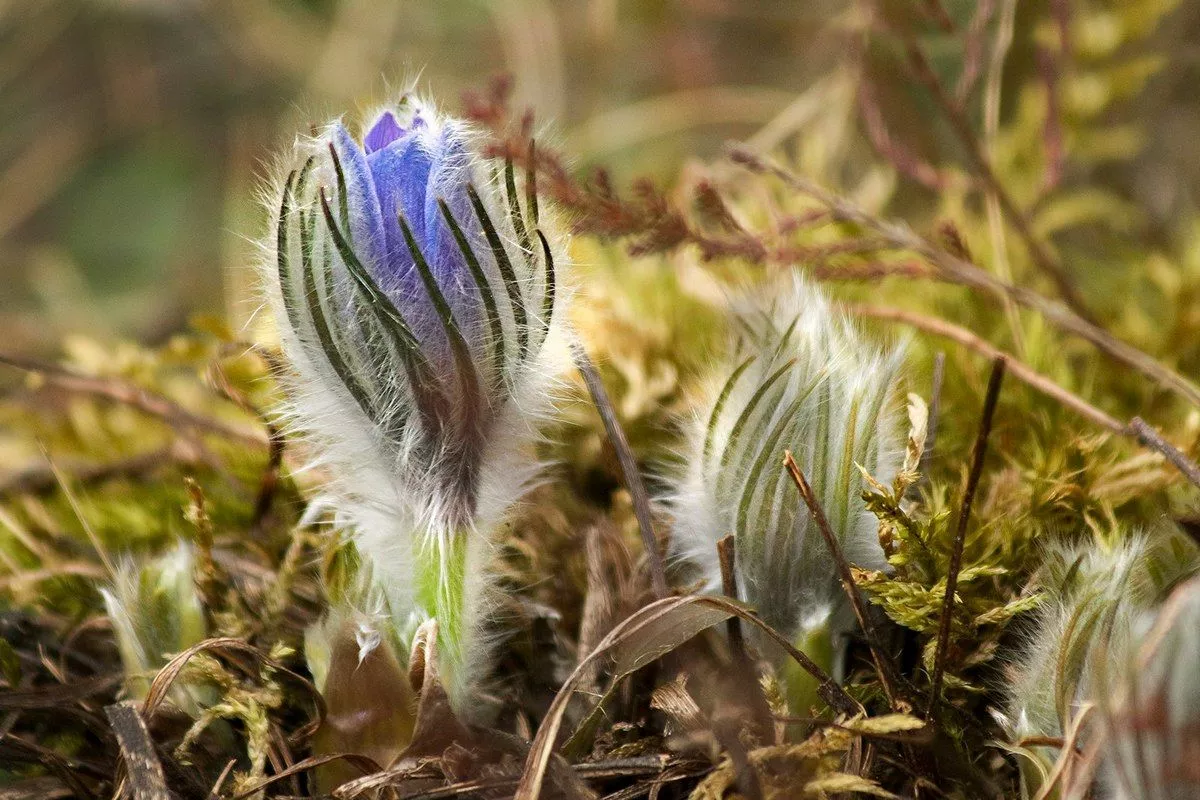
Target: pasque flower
column 1150, row 705
column 419, row 307
column 802, row 380
column 1097, row 596
column 156, row 613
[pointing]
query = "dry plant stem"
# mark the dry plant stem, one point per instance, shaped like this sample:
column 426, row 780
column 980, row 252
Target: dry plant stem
column 1151, row 438
column 978, row 451
column 215, row 792
column 969, row 340
column 633, row 478
column 727, row 553
column 129, row 394
column 956, row 270
column 97, row 545
column 887, row 675
column 1041, row 255
column 230, row 647
column 1137, row 429
column 142, row 767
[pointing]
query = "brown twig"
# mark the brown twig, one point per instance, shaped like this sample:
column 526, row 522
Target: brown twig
column 1041, row 255
column 727, row 554
column 1019, row 370
column 888, row 678
column 215, row 792
column 956, row 270
column 978, row 452
column 1136, row 429
column 1151, row 438
column 870, row 271
column 120, row 391
column 633, row 476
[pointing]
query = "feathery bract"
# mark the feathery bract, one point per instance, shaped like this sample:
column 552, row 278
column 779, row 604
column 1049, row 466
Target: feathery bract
column 802, row 380
column 420, row 308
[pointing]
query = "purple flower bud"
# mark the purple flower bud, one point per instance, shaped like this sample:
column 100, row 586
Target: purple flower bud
column 418, row 305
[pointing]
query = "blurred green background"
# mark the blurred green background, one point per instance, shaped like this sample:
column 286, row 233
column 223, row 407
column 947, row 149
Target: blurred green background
column 135, row 134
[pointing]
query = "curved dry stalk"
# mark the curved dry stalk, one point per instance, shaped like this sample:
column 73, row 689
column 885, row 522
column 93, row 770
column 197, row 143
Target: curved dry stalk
column 888, row 678
column 646, row 635
column 1137, row 429
column 957, row 270
column 633, row 477
column 971, row 341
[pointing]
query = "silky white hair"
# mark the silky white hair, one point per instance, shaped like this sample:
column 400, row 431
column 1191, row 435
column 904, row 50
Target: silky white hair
column 409, row 474
column 802, row 380
column 1077, row 653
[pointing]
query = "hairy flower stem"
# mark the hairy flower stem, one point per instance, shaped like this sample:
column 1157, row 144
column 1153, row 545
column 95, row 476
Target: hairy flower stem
column 802, row 687
column 440, row 577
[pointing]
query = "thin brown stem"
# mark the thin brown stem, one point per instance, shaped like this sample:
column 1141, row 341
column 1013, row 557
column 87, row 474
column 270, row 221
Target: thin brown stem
column 1045, row 260
column 888, row 678
column 978, row 452
column 727, row 554
column 1019, row 370
column 1137, row 429
column 957, row 270
column 1151, row 438
column 633, row 476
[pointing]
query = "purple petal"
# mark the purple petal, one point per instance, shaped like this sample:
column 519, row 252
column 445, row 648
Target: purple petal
column 367, row 230
column 401, row 173
column 385, row 131
column 448, row 181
